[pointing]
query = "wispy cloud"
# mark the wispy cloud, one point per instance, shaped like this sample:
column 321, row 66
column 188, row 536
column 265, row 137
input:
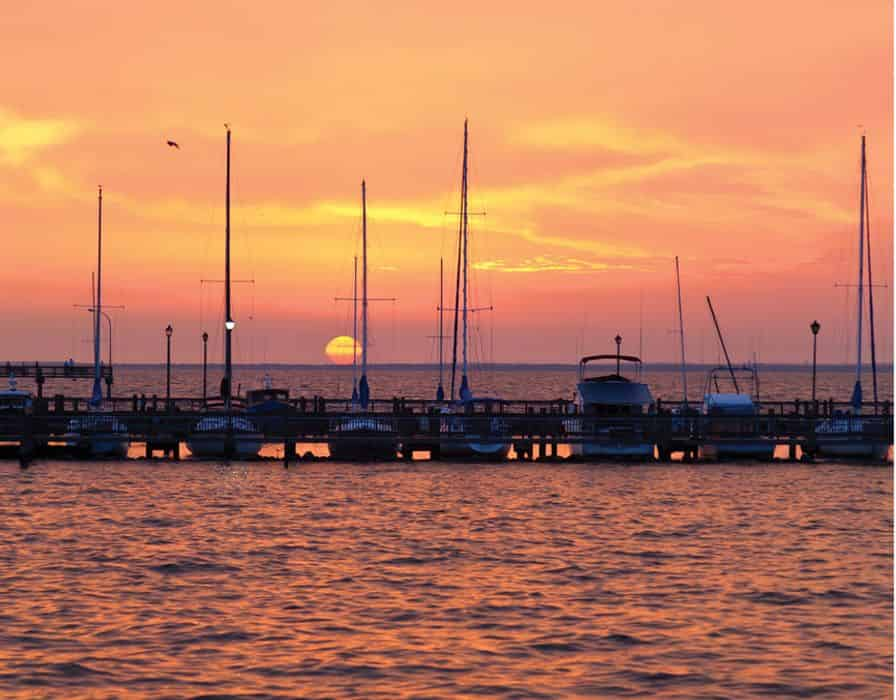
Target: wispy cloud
column 20, row 136
column 577, row 133
column 543, row 263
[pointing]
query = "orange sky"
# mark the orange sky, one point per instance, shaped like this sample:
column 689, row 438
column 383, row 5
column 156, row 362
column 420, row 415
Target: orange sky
column 605, row 139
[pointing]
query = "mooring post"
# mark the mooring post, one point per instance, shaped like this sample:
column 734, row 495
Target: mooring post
column 26, row 444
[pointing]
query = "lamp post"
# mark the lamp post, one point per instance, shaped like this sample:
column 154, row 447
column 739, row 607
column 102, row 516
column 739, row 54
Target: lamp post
column 814, row 327
column 168, row 332
column 204, row 365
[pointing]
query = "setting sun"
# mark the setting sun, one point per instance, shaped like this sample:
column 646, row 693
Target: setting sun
column 339, row 350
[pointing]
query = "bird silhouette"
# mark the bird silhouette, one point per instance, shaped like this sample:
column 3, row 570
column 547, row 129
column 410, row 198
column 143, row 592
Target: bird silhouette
column 174, row 144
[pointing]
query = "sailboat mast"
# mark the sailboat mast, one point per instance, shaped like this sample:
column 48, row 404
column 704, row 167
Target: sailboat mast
column 870, row 293
column 98, row 302
column 684, row 374
column 364, row 278
column 441, row 319
column 460, row 232
column 355, row 328
column 465, row 255
column 228, row 321
column 857, row 391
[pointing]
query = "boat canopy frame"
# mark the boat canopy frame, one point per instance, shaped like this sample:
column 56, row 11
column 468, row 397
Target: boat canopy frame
column 723, row 372
column 616, row 358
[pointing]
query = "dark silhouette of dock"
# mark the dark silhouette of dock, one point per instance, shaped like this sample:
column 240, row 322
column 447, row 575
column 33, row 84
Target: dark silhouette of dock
column 40, row 372
column 534, row 428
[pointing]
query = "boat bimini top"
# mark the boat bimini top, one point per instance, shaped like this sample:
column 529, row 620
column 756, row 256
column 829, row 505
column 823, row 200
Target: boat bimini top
column 608, row 377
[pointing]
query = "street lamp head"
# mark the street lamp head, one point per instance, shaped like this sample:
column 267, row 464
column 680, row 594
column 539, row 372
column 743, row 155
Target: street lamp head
column 204, row 337
column 618, row 340
column 815, row 327
column 168, row 331
column 229, row 324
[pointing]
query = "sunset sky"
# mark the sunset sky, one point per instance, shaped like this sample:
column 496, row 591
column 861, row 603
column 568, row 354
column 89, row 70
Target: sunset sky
column 606, row 138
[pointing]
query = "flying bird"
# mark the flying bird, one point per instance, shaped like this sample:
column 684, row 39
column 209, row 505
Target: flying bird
column 174, row 144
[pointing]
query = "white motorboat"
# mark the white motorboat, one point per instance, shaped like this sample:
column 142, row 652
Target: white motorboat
column 730, row 425
column 14, row 400
column 611, row 408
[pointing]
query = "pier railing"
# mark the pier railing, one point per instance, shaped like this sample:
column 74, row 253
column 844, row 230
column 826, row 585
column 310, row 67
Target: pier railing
column 433, row 427
column 319, row 405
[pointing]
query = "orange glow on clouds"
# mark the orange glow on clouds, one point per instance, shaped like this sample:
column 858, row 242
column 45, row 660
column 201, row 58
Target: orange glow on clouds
column 606, row 138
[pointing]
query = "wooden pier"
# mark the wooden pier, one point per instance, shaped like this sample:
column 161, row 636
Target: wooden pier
column 535, row 429
column 41, row 372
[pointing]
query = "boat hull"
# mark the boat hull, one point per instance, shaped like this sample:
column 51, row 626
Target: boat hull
column 363, row 439
column 215, row 447
column 98, row 435
column 760, row 450
column 224, row 437
column 849, row 437
column 98, row 445
column 475, row 449
column 640, row 451
column 853, row 449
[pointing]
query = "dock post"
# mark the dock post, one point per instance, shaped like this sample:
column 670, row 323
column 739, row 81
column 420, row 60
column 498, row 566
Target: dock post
column 175, row 450
column 289, row 452
column 26, row 445
column 791, row 452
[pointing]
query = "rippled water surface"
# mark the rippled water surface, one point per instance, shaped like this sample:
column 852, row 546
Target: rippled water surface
column 154, row 579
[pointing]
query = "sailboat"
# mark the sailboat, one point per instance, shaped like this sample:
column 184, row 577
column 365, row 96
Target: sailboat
column 226, row 435
column 471, row 427
column 361, row 435
column 846, row 434
column 99, row 433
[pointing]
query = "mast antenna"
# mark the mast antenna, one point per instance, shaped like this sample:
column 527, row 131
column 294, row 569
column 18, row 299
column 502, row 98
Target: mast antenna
column 684, row 374
column 96, row 398
column 857, row 389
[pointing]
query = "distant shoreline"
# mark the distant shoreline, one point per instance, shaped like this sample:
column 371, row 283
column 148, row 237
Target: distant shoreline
column 497, row 366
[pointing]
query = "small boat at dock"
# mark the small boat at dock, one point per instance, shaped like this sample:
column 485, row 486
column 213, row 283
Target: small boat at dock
column 468, row 425
column 611, row 408
column 847, row 435
column 227, row 434
column 731, row 424
column 473, row 428
column 97, row 434
column 362, row 435
column 14, row 401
